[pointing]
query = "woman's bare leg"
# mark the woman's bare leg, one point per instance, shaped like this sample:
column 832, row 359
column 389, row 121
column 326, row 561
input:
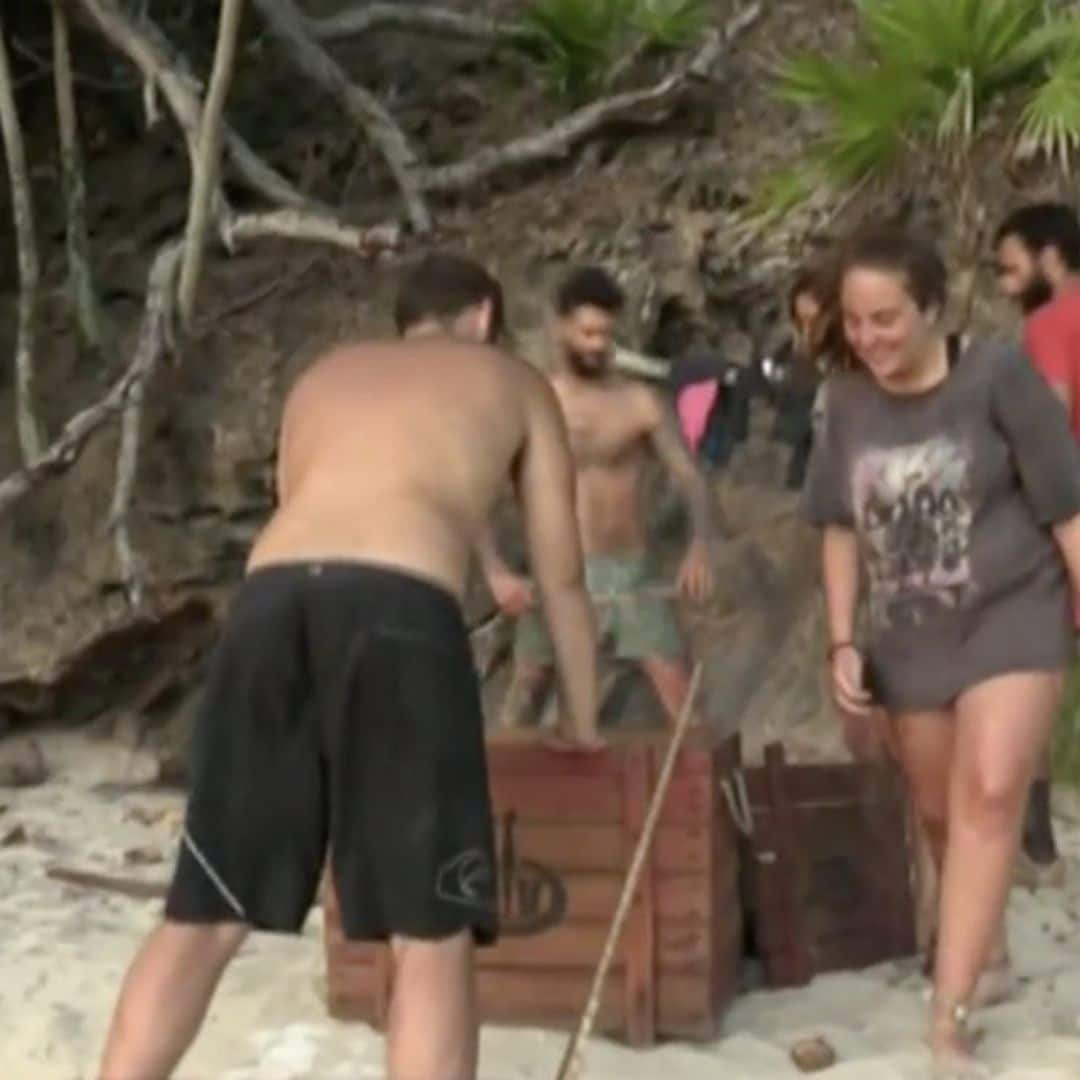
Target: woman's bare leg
column 1002, row 727
column 925, row 745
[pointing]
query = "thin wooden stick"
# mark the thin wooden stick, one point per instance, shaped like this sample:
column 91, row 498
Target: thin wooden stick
column 27, row 425
column 206, row 164
column 571, row 1062
column 88, row 318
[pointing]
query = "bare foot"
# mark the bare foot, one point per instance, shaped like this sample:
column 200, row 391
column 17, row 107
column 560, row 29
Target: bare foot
column 952, row 1045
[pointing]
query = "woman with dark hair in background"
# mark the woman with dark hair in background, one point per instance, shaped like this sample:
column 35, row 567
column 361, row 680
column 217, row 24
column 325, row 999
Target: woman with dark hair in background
column 947, row 485
column 797, row 374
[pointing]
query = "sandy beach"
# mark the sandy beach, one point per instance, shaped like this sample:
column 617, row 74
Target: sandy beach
column 64, row 948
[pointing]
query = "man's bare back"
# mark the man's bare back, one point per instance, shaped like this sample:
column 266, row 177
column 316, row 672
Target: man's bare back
column 394, row 453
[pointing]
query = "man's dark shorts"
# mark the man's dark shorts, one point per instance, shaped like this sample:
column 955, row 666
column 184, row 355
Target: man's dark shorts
column 341, row 720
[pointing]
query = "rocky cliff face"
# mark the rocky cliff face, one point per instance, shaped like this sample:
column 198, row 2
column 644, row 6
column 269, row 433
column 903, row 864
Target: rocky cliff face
column 658, row 204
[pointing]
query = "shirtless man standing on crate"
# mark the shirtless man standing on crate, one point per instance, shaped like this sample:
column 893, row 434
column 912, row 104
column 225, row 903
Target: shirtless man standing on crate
column 342, row 710
column 615, row 425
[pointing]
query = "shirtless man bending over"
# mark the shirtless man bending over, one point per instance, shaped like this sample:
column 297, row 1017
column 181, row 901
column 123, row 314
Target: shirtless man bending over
column 342, row 711
column 615, row 424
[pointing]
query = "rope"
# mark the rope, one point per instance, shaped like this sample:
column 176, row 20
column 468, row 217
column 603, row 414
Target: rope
column 571, row 1066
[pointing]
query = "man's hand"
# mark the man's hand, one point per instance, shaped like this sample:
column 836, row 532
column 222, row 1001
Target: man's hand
column 696, row 579
column 514, row 593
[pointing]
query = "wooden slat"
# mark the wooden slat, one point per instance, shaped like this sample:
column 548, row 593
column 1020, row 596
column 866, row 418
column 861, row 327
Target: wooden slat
column 639, row 937
column 571, row 848
column 685, row 1009
column 809, row 785
column 682, row 849
column 549, row 999
column 689, row 800
column 684, row 946
column 574, row 946
column 567, row 800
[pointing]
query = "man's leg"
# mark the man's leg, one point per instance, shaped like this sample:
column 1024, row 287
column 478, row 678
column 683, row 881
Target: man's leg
column 165, row 996
column 647, row 632
column 432, row 1031
column 532, row 675
column 670, row 680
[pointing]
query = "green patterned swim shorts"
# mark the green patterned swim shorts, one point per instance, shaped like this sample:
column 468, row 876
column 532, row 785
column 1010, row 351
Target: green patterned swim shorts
column 635, row 623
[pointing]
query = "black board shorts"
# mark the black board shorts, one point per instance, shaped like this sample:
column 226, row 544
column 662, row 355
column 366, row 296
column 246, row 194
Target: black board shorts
column 341, row 722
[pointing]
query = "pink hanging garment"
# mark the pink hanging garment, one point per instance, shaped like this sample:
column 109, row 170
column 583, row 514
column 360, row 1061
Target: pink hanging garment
column 694, row 404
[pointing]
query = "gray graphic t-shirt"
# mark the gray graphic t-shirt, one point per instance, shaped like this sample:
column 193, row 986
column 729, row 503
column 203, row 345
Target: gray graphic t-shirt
column 951, row 494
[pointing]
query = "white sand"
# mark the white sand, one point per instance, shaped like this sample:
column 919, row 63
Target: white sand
column 63, row 950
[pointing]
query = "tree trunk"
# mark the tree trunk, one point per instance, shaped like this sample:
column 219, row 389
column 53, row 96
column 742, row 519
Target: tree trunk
column 207, row 156
column 29, row 433
column 84, row 299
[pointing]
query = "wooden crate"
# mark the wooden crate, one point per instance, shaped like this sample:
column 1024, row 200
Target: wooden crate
column 828, row 867
column 566, row 828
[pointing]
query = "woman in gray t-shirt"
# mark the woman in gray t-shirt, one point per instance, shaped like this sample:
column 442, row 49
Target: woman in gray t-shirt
column 948, row 489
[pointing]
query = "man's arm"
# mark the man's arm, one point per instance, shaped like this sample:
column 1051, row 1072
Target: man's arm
column 513, row 592
column 1049, row 352
column 667, row 440
column 546, row 487
column 695, row 575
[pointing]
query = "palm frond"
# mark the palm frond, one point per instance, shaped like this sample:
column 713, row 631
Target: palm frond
column 1050, row 121
column 942, row 37
column 873, row 114
column 812, row 79
column 780, row 192
column 578, row 40
column 670, row 24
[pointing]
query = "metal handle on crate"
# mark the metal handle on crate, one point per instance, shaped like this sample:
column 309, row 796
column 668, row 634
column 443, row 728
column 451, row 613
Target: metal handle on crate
column 738, row 801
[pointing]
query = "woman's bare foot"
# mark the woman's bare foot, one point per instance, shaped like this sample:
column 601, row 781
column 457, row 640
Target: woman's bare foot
column 952, row 1044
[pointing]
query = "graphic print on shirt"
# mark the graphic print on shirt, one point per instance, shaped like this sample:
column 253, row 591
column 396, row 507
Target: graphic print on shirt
column 913, row 512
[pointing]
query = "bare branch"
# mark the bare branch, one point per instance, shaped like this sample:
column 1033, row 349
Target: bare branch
column 155, row 337
column 288, row 25
column 205, row 171
column 296, row 225
column 30, row 439
column 558, row 139
column 417, row 18
column 88, row 316
column 163, row 66
column 65, row 450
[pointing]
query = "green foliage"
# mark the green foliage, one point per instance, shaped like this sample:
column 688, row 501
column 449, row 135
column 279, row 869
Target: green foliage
column 1050, row 122
column 578, row 40
column 581, row 42
column 928, row 78
column 670, row 24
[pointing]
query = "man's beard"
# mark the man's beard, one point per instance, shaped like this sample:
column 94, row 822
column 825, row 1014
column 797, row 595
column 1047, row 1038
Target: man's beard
column 587, row 365
column 1036, row 292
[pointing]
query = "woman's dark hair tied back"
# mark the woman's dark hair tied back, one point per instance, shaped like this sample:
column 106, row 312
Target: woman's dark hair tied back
column 895, row 249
